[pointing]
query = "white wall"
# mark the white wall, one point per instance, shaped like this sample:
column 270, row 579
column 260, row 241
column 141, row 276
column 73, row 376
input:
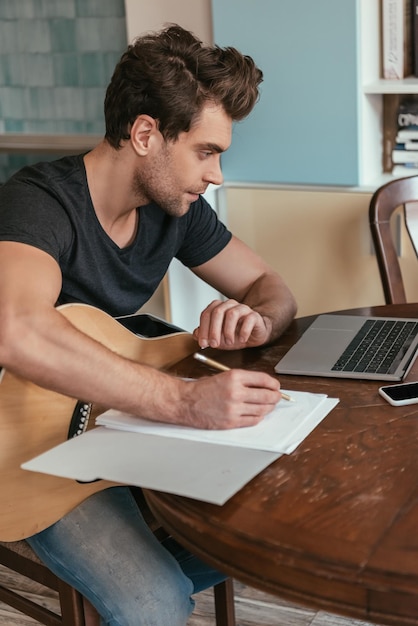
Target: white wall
column 144, row 15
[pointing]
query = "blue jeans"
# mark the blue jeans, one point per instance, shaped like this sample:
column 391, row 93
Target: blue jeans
column 105, row 549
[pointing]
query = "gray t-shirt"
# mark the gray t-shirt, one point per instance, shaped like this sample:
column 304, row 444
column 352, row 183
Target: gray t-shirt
column 48, row 206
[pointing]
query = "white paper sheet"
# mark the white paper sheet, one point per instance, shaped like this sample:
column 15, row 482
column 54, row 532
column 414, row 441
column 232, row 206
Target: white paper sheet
column 203, row 471
column 207, row 465
column 282, row 430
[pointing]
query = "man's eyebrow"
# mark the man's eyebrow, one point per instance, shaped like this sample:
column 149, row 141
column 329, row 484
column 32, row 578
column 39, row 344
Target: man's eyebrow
column 212, row 147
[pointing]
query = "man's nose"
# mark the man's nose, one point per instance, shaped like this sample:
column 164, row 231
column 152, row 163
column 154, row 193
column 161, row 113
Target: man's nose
column 214, row 174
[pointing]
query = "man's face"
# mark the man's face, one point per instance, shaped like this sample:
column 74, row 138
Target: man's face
column 174, row 175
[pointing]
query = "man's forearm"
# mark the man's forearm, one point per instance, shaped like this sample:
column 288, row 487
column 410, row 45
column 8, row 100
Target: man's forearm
column 274, row 301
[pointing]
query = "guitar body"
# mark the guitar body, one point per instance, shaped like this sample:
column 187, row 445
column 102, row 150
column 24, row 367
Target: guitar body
column 33, row 420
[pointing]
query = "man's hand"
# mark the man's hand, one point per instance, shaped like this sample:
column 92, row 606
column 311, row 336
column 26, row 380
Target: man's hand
column 231, row 325
column 232, row 399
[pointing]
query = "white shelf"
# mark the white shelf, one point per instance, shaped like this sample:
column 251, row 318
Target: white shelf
column 382, row 86
column 371, row 89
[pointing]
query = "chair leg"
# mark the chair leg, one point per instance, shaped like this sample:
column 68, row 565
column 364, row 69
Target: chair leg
column 72, row 608
column 91, row 616
column 224, row 603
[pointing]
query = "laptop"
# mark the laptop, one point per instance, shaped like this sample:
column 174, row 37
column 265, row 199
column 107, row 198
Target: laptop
column 351, row 346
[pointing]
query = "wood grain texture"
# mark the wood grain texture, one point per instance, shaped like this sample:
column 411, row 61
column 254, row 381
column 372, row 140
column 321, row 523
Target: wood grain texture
column 333, row 525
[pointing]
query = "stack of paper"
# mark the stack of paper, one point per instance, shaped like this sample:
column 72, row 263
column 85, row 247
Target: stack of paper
column 282, row 430
column 206, row 465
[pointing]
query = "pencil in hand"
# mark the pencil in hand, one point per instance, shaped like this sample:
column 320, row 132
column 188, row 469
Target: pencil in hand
column 224, row 368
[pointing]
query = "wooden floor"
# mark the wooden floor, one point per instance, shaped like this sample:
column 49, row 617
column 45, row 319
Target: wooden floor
column 253, row 608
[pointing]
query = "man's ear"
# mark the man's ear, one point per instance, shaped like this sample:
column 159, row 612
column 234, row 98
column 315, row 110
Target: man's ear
column 143, row 133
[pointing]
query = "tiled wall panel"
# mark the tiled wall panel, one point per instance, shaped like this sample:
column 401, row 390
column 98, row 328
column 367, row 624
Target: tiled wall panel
column 56, row 59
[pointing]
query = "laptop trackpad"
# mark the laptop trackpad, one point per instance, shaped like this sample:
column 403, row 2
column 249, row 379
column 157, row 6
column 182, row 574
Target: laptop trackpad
column 318, row 353
column 321, row 345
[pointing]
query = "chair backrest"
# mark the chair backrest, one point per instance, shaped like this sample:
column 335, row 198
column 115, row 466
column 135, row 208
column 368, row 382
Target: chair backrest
column 402, row 192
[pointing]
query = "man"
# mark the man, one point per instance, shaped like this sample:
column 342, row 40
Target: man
column 102, row 228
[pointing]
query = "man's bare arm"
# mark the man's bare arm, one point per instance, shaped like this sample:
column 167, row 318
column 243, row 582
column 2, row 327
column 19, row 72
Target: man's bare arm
column 259, row 308
column 41, row 345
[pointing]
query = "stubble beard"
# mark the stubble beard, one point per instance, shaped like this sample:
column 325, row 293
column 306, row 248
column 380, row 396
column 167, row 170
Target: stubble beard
column 152, row 184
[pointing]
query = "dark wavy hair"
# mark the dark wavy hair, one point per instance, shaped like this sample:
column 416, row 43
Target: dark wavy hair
column 170, row 75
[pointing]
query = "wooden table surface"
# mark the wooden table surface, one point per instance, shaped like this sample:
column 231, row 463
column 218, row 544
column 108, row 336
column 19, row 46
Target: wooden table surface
column 333, row 525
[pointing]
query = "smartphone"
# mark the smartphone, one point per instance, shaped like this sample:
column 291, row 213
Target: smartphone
column 145, row 325
column 400, row 394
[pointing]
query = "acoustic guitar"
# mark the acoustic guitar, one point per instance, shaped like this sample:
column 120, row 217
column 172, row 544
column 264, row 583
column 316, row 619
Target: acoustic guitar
column 34, row 419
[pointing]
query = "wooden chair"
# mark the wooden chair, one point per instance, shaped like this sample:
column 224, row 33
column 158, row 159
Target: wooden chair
column 19, row 557
column 402, row 192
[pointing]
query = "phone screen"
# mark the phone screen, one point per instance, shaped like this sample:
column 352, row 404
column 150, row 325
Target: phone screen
column 402, row 392
column 146, row 325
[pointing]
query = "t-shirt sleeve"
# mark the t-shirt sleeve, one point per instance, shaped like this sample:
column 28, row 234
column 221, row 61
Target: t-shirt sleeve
column 28, row 214
column 205, row 236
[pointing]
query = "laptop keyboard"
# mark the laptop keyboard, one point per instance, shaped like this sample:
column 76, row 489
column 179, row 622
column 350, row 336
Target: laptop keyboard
column 378, row 347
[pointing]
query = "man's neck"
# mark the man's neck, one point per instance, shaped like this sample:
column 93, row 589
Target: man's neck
column 109, row 180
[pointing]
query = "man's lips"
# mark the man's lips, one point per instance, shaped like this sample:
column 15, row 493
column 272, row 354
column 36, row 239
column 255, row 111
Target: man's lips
column 193, row 194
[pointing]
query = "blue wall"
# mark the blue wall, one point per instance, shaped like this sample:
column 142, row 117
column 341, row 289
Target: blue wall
column 304, row 128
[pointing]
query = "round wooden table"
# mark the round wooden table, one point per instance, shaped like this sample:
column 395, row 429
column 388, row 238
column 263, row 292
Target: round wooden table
column 334, row 525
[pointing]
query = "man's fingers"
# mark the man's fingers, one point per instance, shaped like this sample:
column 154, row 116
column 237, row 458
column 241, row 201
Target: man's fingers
column 226, row 324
